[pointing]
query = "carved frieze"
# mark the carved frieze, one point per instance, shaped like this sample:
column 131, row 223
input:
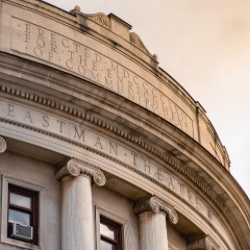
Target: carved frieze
column 31, row 124
column 83, row 61
column 156, row 205
column 75, row 168
column 3, row 145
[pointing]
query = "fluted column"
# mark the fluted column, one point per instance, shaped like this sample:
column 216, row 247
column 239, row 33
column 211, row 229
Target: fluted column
column 77, row 210
column 153, row 213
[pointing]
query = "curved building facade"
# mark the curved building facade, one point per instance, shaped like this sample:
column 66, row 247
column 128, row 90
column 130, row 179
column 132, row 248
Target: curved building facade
column 100, row 148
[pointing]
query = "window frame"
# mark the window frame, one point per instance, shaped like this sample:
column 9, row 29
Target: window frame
column 23, row 183
column 33, row 212
column 113, row 220
column 117, row 242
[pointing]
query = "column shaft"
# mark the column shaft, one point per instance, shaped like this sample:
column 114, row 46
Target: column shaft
column 77, row 213
column 153, row 231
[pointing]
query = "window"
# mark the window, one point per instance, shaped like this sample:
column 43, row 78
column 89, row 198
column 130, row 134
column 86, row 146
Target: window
column 110, row 235
column 23, row 214
column 37, row 213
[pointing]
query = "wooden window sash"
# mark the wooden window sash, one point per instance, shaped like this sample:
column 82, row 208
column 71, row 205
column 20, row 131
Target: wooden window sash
column 33, row 211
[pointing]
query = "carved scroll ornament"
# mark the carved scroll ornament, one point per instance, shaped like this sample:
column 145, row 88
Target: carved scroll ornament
column 156, row 205
column 75, row 168
column 3, row 145
column 136, row 40
column 99, row 18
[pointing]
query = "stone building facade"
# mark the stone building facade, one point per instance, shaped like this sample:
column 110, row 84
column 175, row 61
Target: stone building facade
column 100, row 148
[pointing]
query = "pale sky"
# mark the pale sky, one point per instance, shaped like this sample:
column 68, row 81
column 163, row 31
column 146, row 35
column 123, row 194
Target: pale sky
column 205, row 46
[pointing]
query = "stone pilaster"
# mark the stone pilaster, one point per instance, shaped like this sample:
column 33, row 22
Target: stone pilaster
column 152, row 213
column 3, row 145
column 77, row 210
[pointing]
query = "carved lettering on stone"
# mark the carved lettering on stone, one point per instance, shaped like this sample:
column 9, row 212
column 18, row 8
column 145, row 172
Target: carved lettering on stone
column 83, row 136
column 44, row 44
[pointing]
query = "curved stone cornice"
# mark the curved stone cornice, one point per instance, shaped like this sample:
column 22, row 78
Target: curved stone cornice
column 156, row 205
column 69, row 110
column 166, row 157
column 76, row 168
column 203, row 190
column 174, row 163
column 3, row 145
column 48, row 11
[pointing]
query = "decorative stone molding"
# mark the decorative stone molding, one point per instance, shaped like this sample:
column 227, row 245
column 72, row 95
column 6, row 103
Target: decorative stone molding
column 3, row 145
column 181, row 169
column 48, row 11
column 156, row 205
column 76, row 10
column 136, row 40
column 99, row 18
column 202, row 242
column 76, row 168
column 166, row 157
column 69, row 110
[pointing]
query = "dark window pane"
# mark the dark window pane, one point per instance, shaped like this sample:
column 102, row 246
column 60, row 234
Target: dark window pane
column 23, row 209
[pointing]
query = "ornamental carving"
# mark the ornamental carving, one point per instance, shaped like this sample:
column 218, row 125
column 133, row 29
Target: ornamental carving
column 136, row 40
column 99, row 18
column 166, row 158
column 156, row 205
column 3, row 145
column 76, row 167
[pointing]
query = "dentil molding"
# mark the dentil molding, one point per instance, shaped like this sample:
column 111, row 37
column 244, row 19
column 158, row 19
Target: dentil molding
column 173, row 162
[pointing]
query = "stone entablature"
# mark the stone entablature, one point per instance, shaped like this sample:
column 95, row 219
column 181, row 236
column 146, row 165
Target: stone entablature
column 129, row 157
column 99, row 98
column 56, row 127
column 97, row 62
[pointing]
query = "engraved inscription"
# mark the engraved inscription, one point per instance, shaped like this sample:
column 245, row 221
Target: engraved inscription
column 72, row 131
column 62, row 51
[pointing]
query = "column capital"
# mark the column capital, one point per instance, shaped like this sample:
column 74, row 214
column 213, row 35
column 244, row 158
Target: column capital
column 3, row 145
column 75, row 167
column 156, row 205
column 200, row 242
